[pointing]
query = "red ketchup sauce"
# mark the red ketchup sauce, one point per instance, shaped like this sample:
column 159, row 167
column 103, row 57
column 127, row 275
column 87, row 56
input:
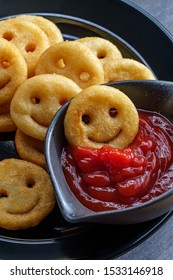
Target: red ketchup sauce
column 109, row 178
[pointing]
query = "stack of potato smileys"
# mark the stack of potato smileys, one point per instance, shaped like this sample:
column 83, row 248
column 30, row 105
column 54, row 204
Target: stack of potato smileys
column 39, row 72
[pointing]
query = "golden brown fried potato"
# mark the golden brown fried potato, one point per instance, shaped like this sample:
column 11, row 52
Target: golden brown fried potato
column 26, row 194
column 102, row 49
column 6, row 122
column 27, row 37
column 52, row 31
column 101, row 115
column 73, row 60
column 127, row 69
column 30, row 149
column 38, row 99
column 13, row 70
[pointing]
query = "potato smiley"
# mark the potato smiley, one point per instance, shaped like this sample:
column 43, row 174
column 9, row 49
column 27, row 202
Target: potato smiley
column 26, row 194
column 38, row 99
column 101, row 115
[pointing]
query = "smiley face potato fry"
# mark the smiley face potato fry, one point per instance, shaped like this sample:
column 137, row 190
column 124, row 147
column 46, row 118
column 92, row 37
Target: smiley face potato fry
column 38, row 99
column 101, row 115
column 127, row 69
column 72, row 60
column 52, row 31
column 26, row 194
column 27, row 37
column 13, row 70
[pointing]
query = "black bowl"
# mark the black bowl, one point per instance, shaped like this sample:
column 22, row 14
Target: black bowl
column 149, row 95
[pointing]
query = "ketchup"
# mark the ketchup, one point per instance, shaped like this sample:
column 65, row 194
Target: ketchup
column 109, row 178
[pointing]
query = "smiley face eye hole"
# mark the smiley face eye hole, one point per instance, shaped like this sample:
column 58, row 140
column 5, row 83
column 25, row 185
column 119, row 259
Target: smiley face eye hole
column 84, row 76
column 35, row 100
column 8, row 36
column 5, row 63
column 30, row 183
column 101, row 54
column 30, row 47
column 3, row 194
column 113, row 112
column 85, row 119
column 60, row 64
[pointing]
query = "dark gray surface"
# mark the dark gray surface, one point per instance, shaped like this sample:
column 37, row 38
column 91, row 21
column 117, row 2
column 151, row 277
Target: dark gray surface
column 162, row 10
column 160, row 245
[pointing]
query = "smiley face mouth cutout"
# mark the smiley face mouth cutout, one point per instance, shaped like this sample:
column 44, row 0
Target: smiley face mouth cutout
column 107, row 141
column 24, row 211
column 19, row 211
column 34, row 119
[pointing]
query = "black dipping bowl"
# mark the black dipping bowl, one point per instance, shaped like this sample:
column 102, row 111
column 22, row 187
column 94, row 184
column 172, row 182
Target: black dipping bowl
column 149, row 95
